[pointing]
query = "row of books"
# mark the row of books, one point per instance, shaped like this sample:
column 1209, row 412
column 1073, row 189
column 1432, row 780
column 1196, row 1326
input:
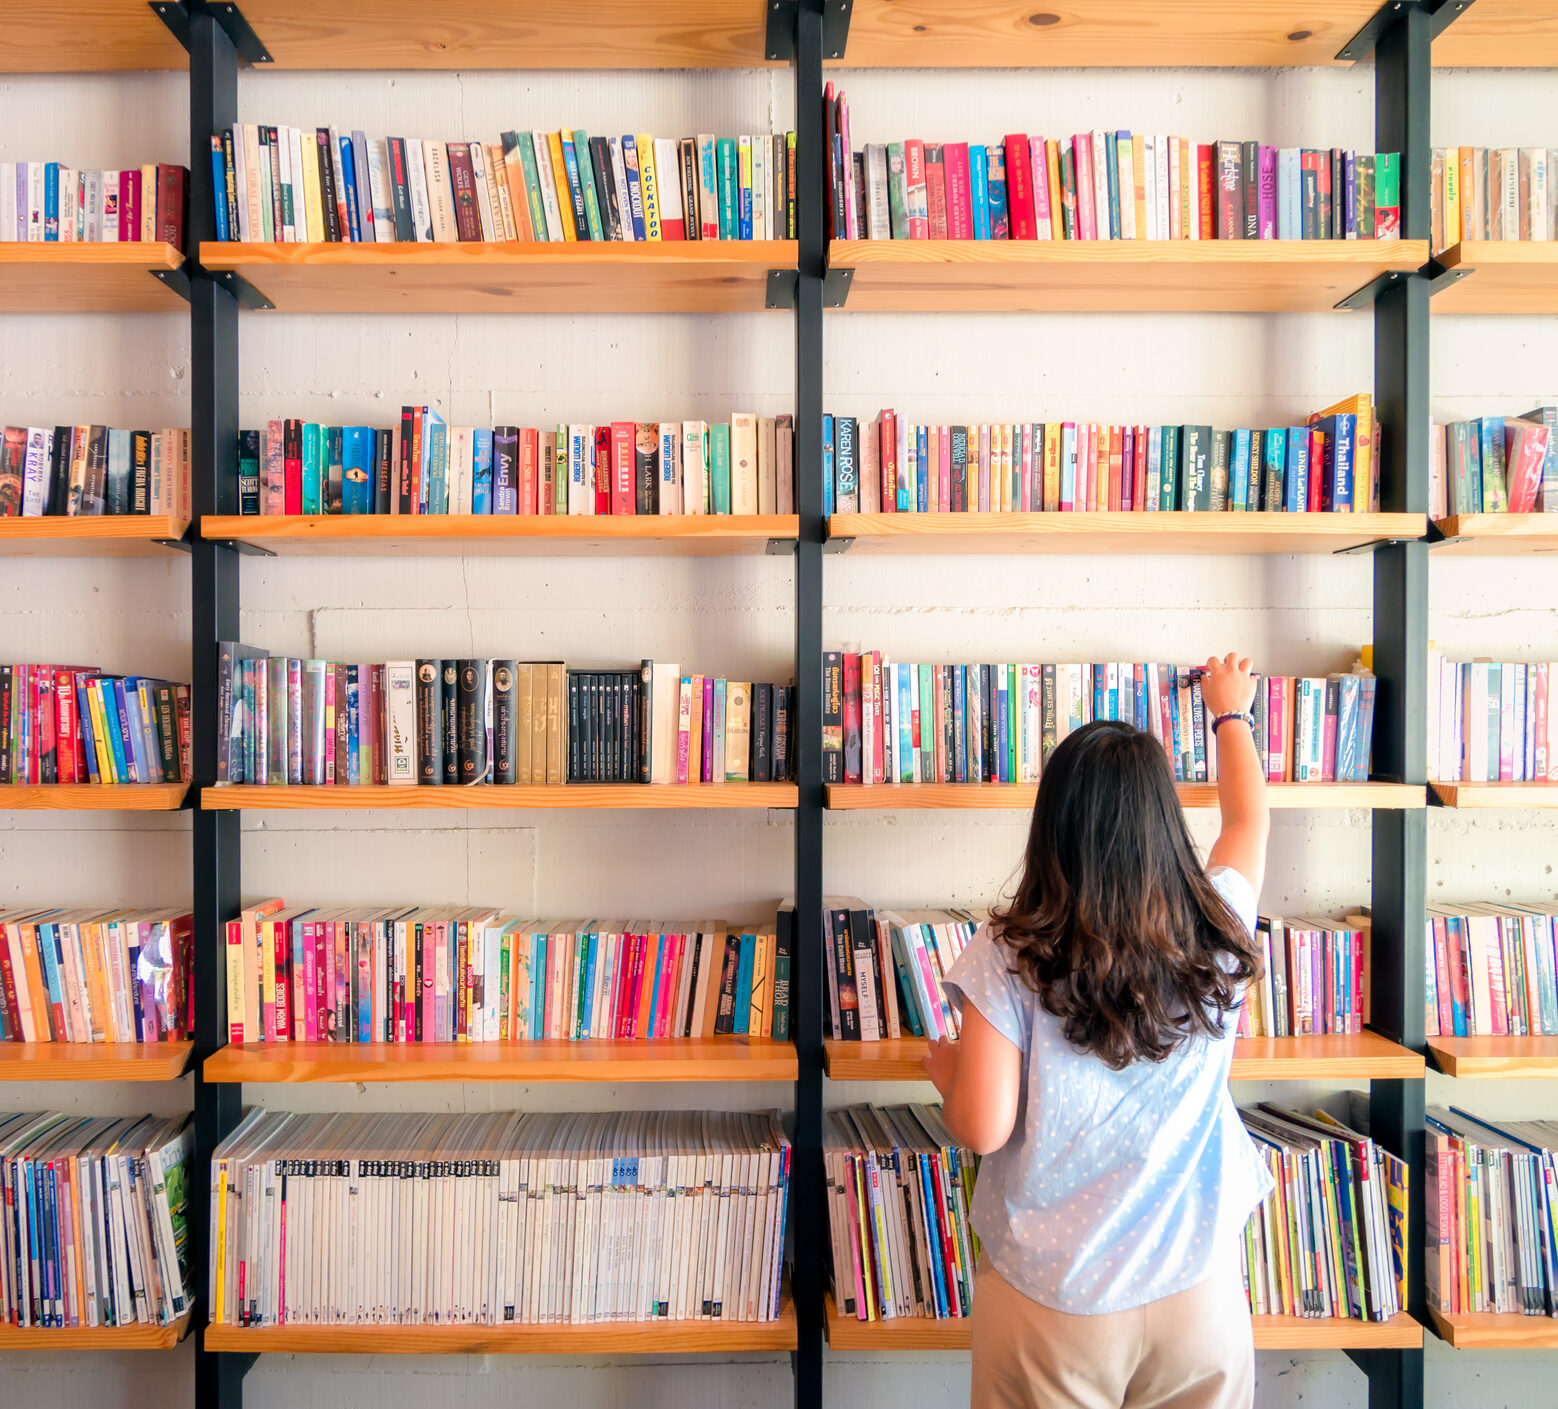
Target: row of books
column 1313, row 978
column 93, row 470
column 408, row 974
column 898, row 1189
column 894, row 465
column 1492, row 1221
column 1499, row 194
column 42, row 201
column 95, row 975
column 425, row 466
column 904, row 722
column 1105, row 185
column 285, row 184
column 95, row 1211
column 1491, row 971
column 498, row 1218
column 1491, row 721
column 1331, row 1239
column 885, row 969
column 73, row 724
column 1494, row 464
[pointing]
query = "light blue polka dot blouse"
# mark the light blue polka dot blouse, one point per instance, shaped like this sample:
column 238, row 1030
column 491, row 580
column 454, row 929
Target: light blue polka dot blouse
column 1117, row 1187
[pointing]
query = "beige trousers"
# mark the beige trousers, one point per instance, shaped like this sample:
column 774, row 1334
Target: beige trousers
column 1192, row 1350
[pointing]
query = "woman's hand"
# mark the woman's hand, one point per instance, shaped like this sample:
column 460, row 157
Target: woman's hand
column 1228, row 686
column 941, row 1064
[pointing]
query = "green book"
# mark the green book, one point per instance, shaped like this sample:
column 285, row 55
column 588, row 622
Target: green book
column 719, row 465
column 438, row 464
column 527, row 160
column 729, row 192
column 1168, row 482
column 1221, row 456
column 897, row 193
column 560, row 471
column 313, row 476
column 1195, row 476
column 581, row 148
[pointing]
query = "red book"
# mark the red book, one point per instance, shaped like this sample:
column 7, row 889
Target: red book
column 1117, row 467
column 889, row 459
column 1544, row 761
column 462, row 176
column 944, row 487
column 130, row 205
column 1139, row 477
column 1019, row 187
column 67, row 737
column 1082, row 149
column 171, row 187
column 1525, row 452
column 1127, row 466
column 8, row 999
column 1024, row 441
column 623, row 497
column 292, row 466
column 914, row 181
column 1205, row 162
column 852, row 717
column 529, row 467
column 402, row 502
column 603, row 470
column 960, row 209
column 936, row 191
column 1316, row 469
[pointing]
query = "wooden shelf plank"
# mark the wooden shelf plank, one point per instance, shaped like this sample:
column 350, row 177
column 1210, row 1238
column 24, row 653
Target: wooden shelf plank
column 86, row 36
column 1132, row 533
column 900, row 1333
column 556, row 795
column 91, row 797
column 1101, row 34
column 697, row 276
column 1496, row 1058
column 997, row 796
column 1113, row 276
column 1367, row 1056
column 1464, row 795
column 93, row 1061
column 540, row 34
column 1489, row 1330
column 109, row 536
column 672, row 1059
column 87, row 278
column 487, row 535
column 1501, row 34
column 1496, row 535
column 1502, row 276
column 606, row 1338
column 135, row 1337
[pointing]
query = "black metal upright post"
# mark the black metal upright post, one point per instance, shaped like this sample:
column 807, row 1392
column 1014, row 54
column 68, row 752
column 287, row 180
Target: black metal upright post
column 806, row 995
column 1400, row 838
column 213, row 337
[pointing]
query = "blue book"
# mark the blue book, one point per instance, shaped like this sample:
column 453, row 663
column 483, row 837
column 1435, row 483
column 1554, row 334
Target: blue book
column 1100, row 693
column 636, row 189
column 1154, row 469
column 979, row 191
column 1491, row 437
column 587, row 1024
column 1273, row 461
column 1139, row 690
column 537, row 984
column 1351, row 766
column 357, row 445
column 51, row 972
column 349, row 174
column 1003, row 726
column 827, row 465
column 135, row 735
column 1295, row 482
column 51, row 202
column 909, row 1005
column 1068, row 464
column 933, row 1216
column 742, row 1017
column 219, row 184
column 113, row 712
column 481, row 471
column 1176, row 730
column 1112, row 163
column 88, row 739
column 430, row 418
column 905, row 717
column 313, row 468
column 353, row 704
column 1239, row 472
column 995, row 178
column 1340, row 432
column 922, row 469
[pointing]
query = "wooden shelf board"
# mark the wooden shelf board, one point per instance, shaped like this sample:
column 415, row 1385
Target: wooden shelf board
column 86, row 36
column 1496, row 535
column 607, row 1338
column 92, row 797
column 919, row 796
column 558, row 795
column 93, row 1061
column 698, row 276
column 899, row 1333
column 87, row 278
column 1132, row 533
column 1496, row 1058
column 1489, row 1330
column 672, row 1059
column 1114, row 276
column 135, row 1337
column 1501, row 34
column 540, row 34
column 110, row 536
column 1101, row 33
column 1496, row 794
column 1367, row 1056
column 487, row 535
column 1503, row 276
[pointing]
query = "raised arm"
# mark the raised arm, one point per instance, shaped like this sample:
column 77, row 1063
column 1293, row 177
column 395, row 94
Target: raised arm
column 1228, row 687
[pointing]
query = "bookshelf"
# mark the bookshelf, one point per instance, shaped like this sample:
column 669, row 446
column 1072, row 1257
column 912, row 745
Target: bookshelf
column 88, row 278
column 1514, row 276
column 1496, row 1058
column 136, row 1337
column 854, row 797
column 111, row 536
column 1482, row 795
column 1129, row 534
column 670, row 1059
column 92, row 797
column 487, row 535
column 1489, row 1330
column 699, row 276
column 1112, row 276
column 625, row 796
column 93, row 1061
column 1494, row 535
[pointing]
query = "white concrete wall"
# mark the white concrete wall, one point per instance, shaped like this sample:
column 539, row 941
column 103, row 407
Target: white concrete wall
column 1293, row 615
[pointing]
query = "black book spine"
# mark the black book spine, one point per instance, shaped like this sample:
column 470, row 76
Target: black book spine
column 575, row 772
column 614, row 740
column 327, row 189
column 784, row 949
column 762, row 767
column 781, row 745
column 503, row 722
column 729, row 964
column 606, row 188
column 1249, row 180
column 232, row 185
column 687, row 156
column 430, row 727
column 645, row 731
column 400, row 191
column 383, row 470
column 167, row 732
column 248, row 472
column 844, row 975
column 646, row 467
column 987, row 723
column 1309, row 202
column 5, row 723
column 627, row 724
column 959, row 469
column 140, row 472
column 832, row 717
column 450, row 718
column 595, row 725
column 59, row 471
column 471, row 717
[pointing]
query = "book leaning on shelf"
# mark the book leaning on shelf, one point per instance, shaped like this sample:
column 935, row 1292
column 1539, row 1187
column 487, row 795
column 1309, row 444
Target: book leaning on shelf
column 425, row 466
column 1104, row 185
column 895, row 722
column 409, row 974
column 1491, row 971
column 73, row 724
column 1331, row 1238
column 1491, row 721
column 1500, row 194
column 894, row 465
column 1495, row 464
column 898, row 1189
column 290, row 185
column 95, row 1210
column 44, row 202
column 1492, row 1221
column 93, row 470
column 569, row 1219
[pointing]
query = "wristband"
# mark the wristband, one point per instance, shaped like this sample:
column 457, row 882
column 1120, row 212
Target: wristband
column 1243, row 714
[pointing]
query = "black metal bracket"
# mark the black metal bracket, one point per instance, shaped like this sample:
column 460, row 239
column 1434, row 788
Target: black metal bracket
column 248, row 550
column 835, row 28
column 780, row 548
column 240, row 288
column 245, row 40
column 174, row 14
column 1371, row 547
column 179, row 545
column 835, row 287
column 1439, row 278
column 1442, row 13
column 781, row 289
column 837, row 545
column 779, row 41
column 1365, row 296
column 1361, row 45
column 175, row 279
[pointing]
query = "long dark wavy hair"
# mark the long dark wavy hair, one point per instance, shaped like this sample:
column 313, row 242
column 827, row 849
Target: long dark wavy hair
column 1115, row 925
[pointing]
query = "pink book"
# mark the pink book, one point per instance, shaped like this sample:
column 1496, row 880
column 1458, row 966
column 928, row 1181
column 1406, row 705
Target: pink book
column 1025, row 495
column 325, row 976
column 1328, row 750
column 984, row 469
column 620, row 968
column 877, row 721
column 1043, row 217
column 431, row 943
column 887, row 455
column 305, row 1021
column 1082, row 147
column 683, row 727
column 1019, row 187
column 852, row 1207
column 130, row 205
column 1276, row 713
column 870, row 478
column 915, row 190
column 944, row 487
column 1266, row 193
column 851, row 195
column 1498, row 999
column 635, row 986
column 708, row 732
column 1355, row 1008
column 960, row 209
column 676, row 948
column 1544, row 760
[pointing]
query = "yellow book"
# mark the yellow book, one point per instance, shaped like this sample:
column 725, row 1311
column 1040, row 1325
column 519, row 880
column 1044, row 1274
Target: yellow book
column 219, row 1282
column 1452, row 197
column 1052, row 432
column 105, row 757
column 313, row 206
column 266, row 940
column 649, row 184
column 90, row 935
column 148, row 230
column 1188, row 195
column 1057, row 221
column 554, row 146
column 743, row 463
column 738, row 732
column 1139, row 166
column 759, row 1017
column 1473, row 165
